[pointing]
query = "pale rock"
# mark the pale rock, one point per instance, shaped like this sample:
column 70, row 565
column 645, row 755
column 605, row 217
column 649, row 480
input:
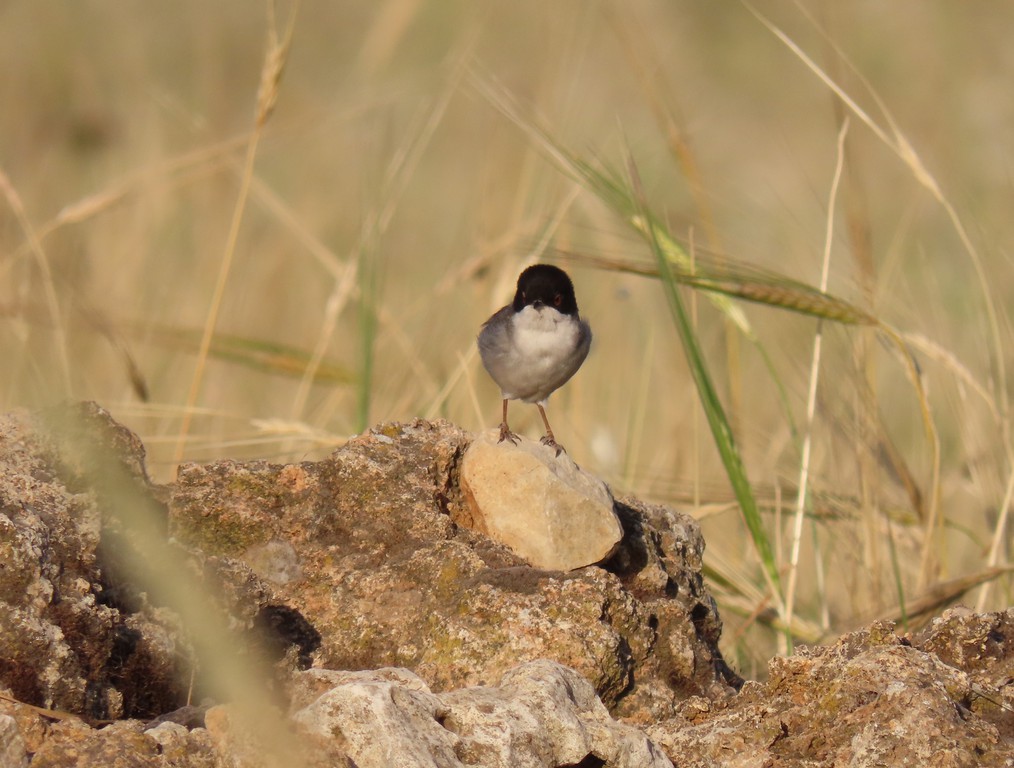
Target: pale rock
column 168, row 735
column 276, row 561
column 540, row 505
column 12, row 746
column 179, row 746
column 541, row 715
column 383, row 720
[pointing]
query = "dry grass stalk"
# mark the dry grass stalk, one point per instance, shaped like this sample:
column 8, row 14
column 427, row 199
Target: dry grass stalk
column 271, row 72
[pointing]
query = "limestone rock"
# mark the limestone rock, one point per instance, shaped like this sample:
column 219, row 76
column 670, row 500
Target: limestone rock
column 542, row 506
column 874, row 698
column 364, row 560
column 364, row 705
column 567, row 723
column 355, row 562
column 77, row 633
column 371, row 546
column 71, row 636
column 542, row 715
column 119, row 745
column 12, row 745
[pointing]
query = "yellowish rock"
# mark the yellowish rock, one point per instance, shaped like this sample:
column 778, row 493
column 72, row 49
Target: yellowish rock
column 542, row 506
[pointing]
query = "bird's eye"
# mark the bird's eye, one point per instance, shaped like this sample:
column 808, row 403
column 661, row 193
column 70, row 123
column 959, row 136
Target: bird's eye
column 558, row 300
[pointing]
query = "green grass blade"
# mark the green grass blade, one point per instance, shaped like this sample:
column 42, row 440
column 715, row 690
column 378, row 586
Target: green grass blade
column 715, row 413
column 899, row 583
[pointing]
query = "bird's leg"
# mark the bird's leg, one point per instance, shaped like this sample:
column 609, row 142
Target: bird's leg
column 549, row 439
column 505, row 431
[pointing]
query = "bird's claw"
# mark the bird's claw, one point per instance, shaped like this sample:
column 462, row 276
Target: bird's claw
column 548, row 440
column 506, row 434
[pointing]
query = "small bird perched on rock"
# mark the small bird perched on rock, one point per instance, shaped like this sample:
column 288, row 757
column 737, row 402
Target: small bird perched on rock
column 534, row 345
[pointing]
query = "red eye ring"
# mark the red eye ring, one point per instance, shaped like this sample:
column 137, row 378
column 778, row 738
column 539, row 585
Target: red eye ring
column 558, row 299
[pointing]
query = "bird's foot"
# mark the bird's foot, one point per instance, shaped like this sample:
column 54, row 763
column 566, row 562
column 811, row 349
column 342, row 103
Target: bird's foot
column 549, row 441
column 506, row 434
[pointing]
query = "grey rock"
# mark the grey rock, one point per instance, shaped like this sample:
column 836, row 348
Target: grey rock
column 542, row 715
column 13, row 753
column 382, row 722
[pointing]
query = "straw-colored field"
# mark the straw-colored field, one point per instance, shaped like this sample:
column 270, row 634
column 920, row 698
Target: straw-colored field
column 277, row 280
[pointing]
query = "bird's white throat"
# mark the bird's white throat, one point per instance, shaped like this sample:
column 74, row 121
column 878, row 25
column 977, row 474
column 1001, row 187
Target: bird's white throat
column 544, row 335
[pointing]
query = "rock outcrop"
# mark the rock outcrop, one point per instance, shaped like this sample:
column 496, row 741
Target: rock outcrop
column 367, row 546
column 944, row 697
column 72, row 637
column 380, row 628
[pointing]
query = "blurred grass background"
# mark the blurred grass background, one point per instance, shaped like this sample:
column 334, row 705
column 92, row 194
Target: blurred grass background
column 391, row 206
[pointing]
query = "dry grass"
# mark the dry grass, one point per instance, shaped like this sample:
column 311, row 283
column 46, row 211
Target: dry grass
column 160, row 236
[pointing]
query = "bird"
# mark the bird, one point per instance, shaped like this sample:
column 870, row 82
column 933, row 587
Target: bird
column 533, row 346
